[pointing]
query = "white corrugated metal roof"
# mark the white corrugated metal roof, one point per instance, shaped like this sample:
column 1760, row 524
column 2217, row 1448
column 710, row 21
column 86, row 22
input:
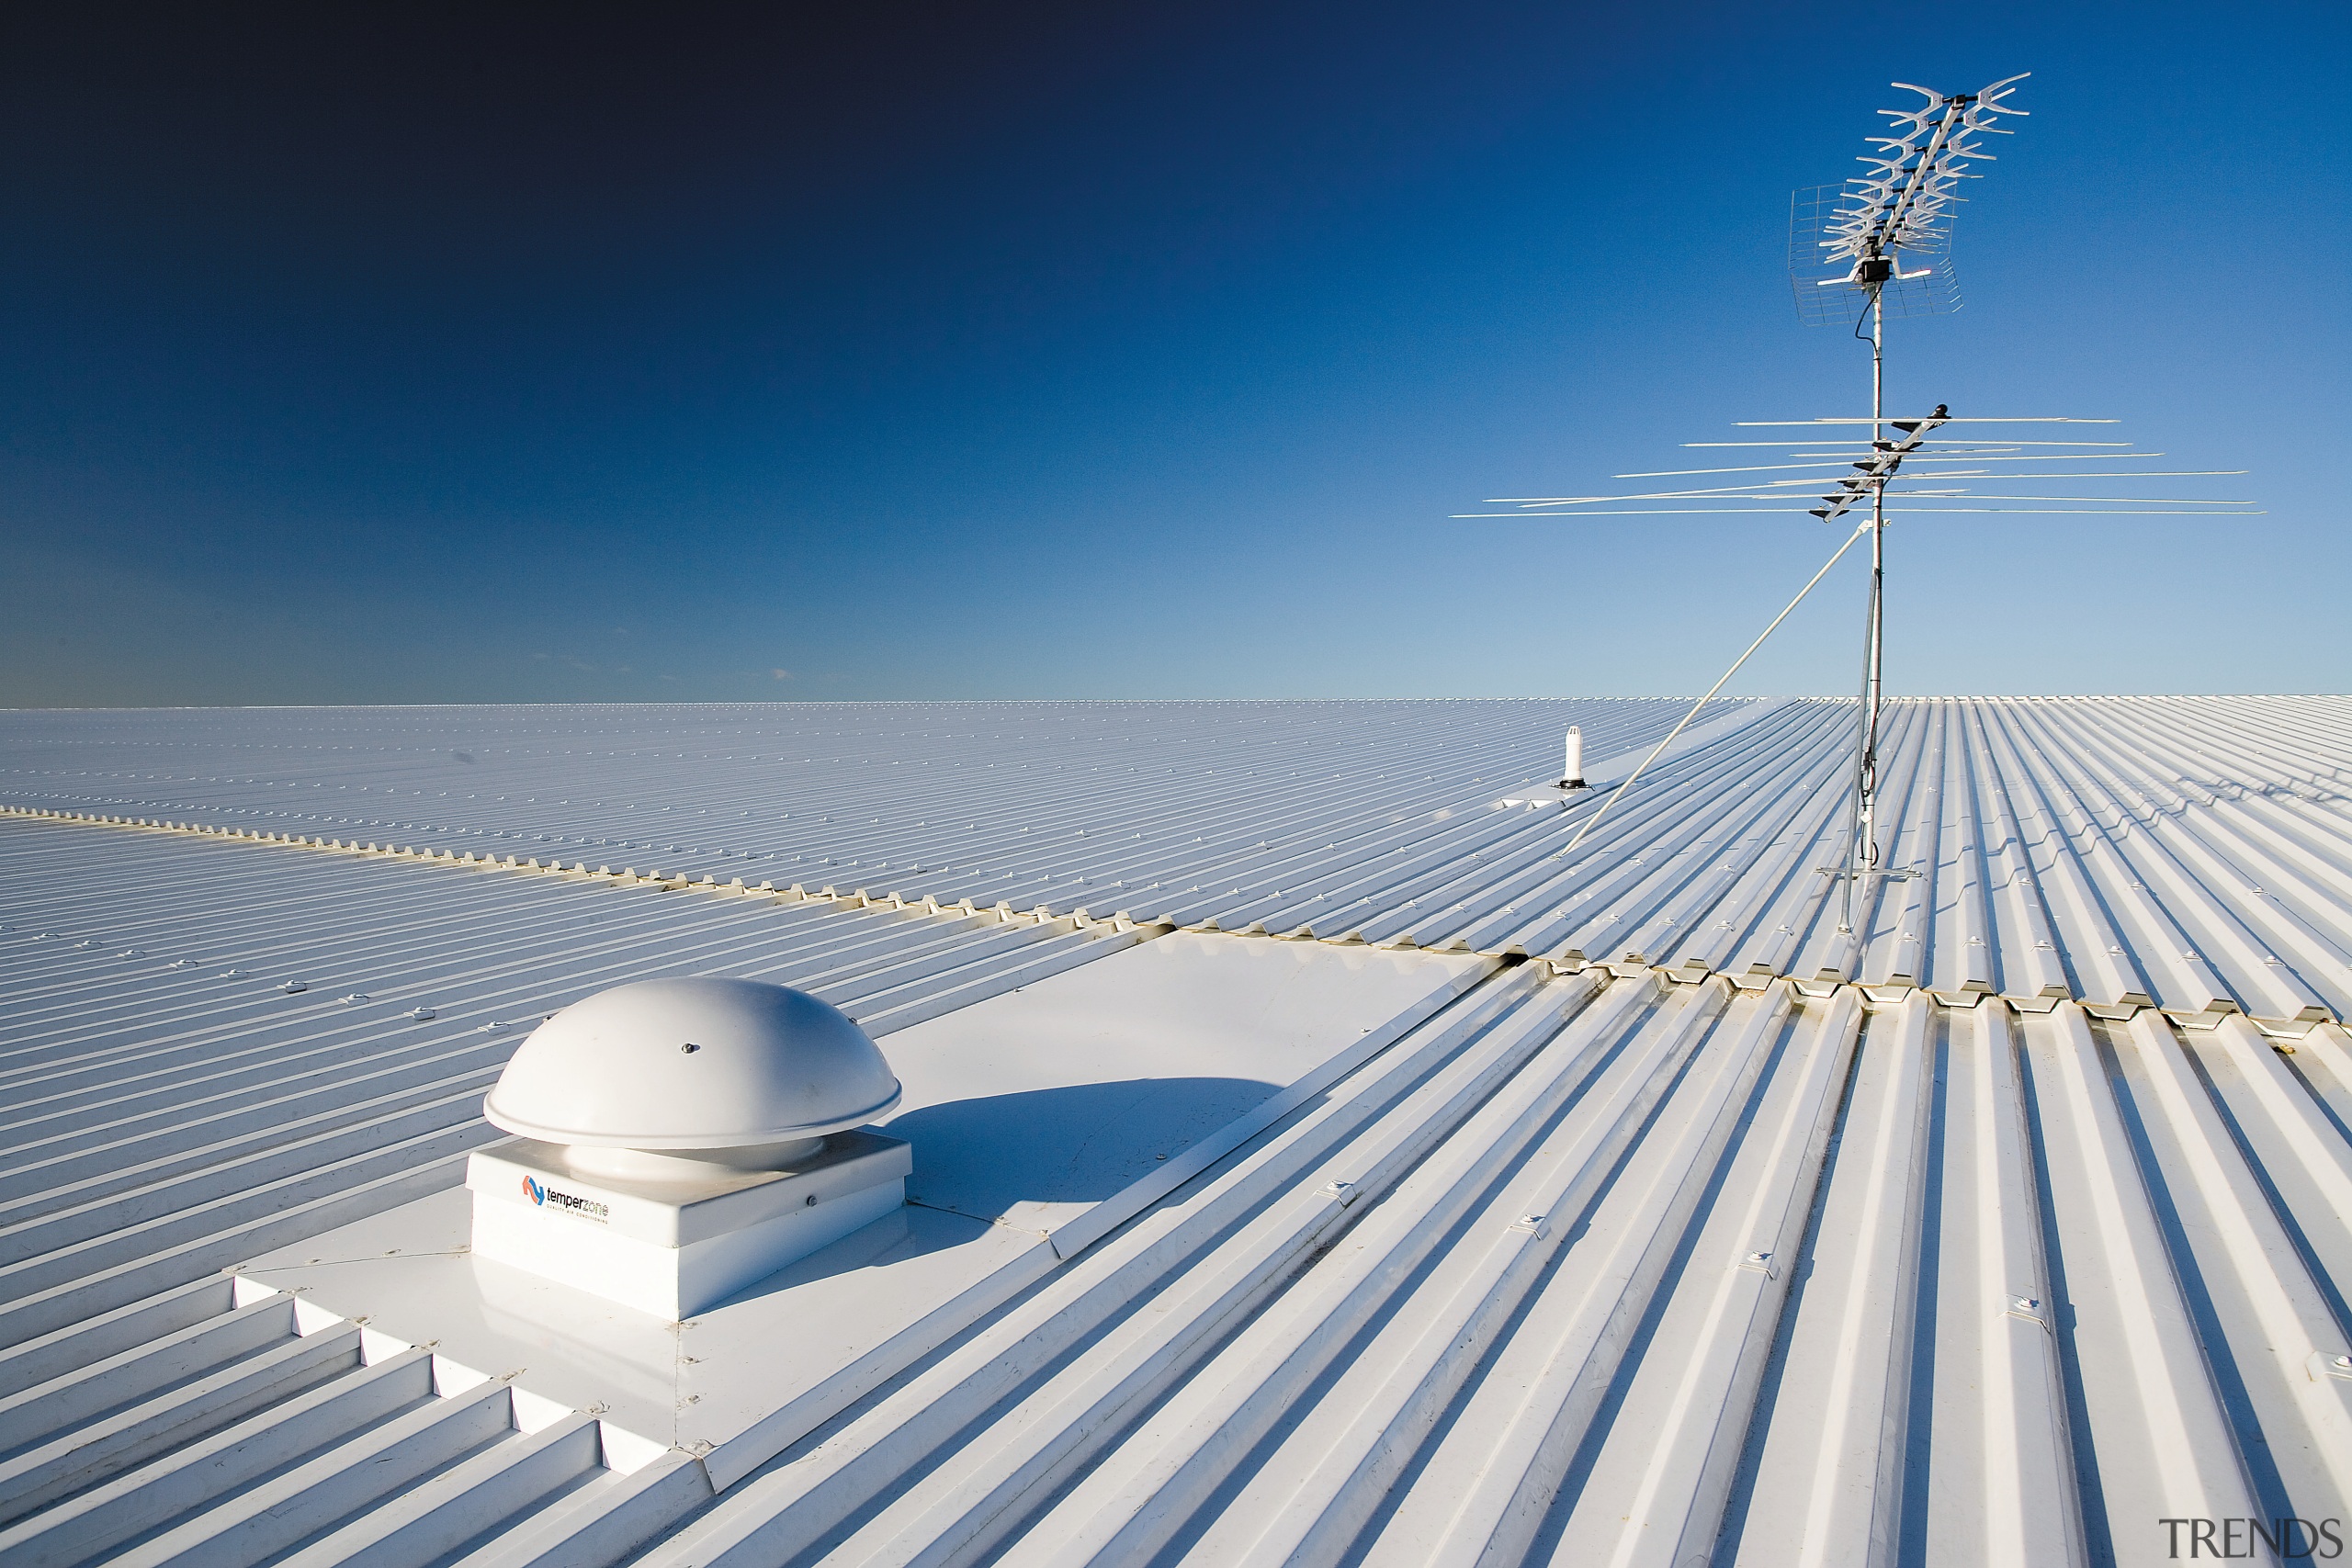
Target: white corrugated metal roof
column 2189, row 852
column 1644, row 1273
column 2002, row 1238
column 1059, row 804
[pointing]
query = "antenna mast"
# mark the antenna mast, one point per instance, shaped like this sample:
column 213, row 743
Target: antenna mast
column 1861, row 233
column 1904, row 204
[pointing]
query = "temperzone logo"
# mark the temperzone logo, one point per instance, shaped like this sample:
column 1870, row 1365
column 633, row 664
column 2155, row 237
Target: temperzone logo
column 567, row 1202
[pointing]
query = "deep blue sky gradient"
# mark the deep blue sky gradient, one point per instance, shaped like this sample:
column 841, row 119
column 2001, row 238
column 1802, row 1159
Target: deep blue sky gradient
column 405, row 354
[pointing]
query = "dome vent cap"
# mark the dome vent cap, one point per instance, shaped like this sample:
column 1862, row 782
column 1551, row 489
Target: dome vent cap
column 731, row 1071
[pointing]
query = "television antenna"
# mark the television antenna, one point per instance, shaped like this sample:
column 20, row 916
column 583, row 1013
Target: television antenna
column 1865, row 233
column 1903, row 205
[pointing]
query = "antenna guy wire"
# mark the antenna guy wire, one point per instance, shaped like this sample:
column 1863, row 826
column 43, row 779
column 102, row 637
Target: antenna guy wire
column 1623, row 789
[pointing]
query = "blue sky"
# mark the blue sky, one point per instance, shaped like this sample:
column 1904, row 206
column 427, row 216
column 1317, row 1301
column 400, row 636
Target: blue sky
column 396, row 355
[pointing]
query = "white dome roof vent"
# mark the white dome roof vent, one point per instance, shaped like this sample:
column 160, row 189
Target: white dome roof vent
column 680, row 1139
column 646, row 1078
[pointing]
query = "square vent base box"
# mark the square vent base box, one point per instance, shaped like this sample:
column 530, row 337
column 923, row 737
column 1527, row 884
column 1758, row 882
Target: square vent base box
column 675, row 1248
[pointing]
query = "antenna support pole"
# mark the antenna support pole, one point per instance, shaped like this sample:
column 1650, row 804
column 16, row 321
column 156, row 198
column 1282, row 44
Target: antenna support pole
column 1861, row 823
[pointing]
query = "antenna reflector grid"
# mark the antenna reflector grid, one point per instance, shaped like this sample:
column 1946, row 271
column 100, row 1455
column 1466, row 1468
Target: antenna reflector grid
column 1924, row 285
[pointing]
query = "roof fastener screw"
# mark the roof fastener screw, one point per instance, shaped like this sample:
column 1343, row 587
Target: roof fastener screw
column 689, row 1048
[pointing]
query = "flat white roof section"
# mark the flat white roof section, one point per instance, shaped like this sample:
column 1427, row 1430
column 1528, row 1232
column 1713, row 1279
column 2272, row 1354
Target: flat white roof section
column 1516, row 1210
column 1036, row 1108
